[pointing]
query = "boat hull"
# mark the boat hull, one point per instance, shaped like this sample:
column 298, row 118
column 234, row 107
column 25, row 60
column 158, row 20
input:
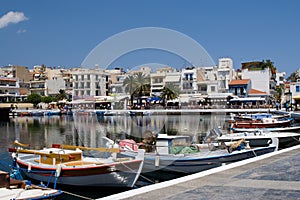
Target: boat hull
column 261, row 137
column 254, row 125
column 166, row 167
column 122, row 174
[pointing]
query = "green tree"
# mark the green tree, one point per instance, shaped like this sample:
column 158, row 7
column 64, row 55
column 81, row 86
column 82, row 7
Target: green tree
column 129, row 83
column 169, row 92
column 293, row 77
column 142, row 86
column 269, row 64
column 47, row 99
column 62, row 95
column 278, row 93
column 34, row 99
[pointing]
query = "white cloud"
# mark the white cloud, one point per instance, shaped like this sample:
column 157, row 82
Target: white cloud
column 12, row 18
column 21, row 31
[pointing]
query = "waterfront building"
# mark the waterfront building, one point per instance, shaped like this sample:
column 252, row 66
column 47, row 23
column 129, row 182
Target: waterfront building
column 117, row 77
column 22, row 74
column 38, row 81
column 58, row 79
column 53, row 86
column 294, row 94
column 225, row 74
column 189, row 80
column 207, row 80
column 90, row 82
column 9, row 89
column 158, row 79
column 240, row 88
column 280, row 79
column 261, row 77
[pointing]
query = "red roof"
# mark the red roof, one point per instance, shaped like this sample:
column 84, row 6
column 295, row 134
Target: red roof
column 239, row 82
column 254, row 91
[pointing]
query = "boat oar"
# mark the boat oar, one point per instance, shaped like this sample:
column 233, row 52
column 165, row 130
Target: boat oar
column 101, row 149
column 65, row 157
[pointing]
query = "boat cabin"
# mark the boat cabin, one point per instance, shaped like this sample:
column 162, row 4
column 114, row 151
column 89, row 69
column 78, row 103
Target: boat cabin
column 164, row 142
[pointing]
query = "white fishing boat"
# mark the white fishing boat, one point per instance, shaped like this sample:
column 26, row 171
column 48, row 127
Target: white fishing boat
column 61, row 165
column 275, row 129
column 260, row 137
column 174, row 156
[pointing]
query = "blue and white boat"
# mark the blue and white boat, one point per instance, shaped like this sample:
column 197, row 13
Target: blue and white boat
column 174, row 157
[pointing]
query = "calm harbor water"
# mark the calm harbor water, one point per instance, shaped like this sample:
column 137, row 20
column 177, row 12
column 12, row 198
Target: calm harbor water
column 88, row 130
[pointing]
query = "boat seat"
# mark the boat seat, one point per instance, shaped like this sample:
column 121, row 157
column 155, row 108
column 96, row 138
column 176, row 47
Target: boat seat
column 79, row 163
column 121, row 159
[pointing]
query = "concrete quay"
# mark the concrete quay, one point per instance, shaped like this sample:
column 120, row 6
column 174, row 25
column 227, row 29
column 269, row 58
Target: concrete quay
column 271, row 176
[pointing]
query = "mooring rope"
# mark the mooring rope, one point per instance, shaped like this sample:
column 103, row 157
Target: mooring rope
column 77, row 195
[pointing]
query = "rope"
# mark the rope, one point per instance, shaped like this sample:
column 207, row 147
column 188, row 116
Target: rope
column 76, row 195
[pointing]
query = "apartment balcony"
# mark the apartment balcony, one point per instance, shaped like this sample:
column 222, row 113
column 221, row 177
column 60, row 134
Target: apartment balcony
column 7, row 86
column 157, row 84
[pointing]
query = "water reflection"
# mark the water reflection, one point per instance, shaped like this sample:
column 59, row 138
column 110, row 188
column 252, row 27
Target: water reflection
column 88, row 130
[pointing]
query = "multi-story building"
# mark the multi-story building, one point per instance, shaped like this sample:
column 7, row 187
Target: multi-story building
column 240, row 88
column 225, row 74
column 22, row 74
column 157, row 79
column 189, row 80
column 280, row 79
column 37, row 87
column 261, row 78
column 9, row 89
column 117, row 77
column 58, row 79
column 90, row 83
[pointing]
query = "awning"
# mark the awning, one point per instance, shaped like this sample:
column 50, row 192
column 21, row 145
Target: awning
column 154, row 99
column 297, row 97
column 248, row 99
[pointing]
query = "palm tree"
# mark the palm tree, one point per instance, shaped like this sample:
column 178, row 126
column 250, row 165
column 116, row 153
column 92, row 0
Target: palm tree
column 62, row 95
column 130, row 83
column 169, row 92
column 270, row 65
column 293, row 77
column 142, row 85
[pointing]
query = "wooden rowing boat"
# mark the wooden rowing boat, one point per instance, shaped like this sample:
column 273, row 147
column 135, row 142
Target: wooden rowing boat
column 70, row 167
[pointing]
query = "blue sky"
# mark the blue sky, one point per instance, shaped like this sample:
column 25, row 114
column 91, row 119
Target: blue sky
column 62, row 33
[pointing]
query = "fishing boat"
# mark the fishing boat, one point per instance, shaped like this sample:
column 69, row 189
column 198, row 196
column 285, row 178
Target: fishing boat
column 293, row 128
column 173, row 156
column 62, row 165
column 263, row 122
column 260, row 137
column 25, row 190
column 258, row 116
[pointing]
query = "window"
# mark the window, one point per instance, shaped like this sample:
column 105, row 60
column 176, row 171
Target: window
column 213, row 88
column 297, row 88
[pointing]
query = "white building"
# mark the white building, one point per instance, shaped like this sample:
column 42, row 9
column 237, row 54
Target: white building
column 189, row 80
column 90, row 83
column 280, row 78
column 225, row 74
column 260, row 79
column 53, row 86
column 158, row 79
column 9, row 89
